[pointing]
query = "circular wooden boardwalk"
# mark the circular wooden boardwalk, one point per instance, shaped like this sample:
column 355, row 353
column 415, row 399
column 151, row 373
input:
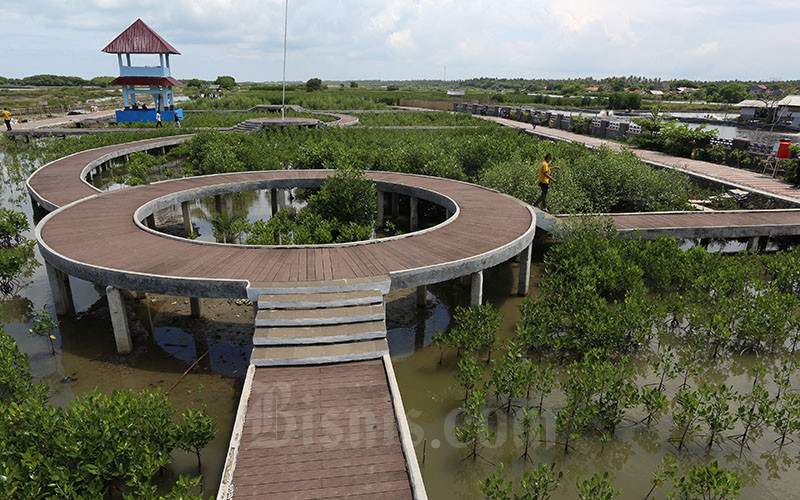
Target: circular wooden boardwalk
column 95, row 237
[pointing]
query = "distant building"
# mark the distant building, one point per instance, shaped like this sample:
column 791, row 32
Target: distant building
column 592, row 89
column 789, row 109
column 752, row 109
column 757, row 89
column 657, row 92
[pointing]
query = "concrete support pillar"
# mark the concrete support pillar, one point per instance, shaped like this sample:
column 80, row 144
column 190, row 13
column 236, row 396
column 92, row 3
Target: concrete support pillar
column 414, row 213
column 119, row 320
column 229, row 204
column 756, row 243
column 196, row 306
column 150, row 221
column 422, row 295
column 395, row 206
column 187, row 219
column 218, row 203
column 380, row 208
column 62, row 293
column 273, row 196
column 476, row 290
column 525, row 271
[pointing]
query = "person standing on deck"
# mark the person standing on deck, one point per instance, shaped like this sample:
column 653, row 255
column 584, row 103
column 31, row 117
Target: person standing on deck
column 544, row 180
column 176, row 120
column 158, row 119
column 7, row 118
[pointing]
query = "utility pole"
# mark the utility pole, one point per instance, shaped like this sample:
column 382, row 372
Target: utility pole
column 285, row 30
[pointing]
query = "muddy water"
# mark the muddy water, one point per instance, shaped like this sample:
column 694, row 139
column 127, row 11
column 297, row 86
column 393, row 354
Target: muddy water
column 167, row 342
column 432, row 398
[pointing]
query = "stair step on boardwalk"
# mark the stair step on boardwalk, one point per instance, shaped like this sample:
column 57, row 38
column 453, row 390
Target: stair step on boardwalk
column 318, row 354
column 319, row 300
column 325, row 316
column 322, row 334
column 381, row 283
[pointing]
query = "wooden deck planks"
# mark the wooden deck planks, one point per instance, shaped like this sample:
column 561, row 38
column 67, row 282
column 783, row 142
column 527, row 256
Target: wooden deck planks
column 314, row 432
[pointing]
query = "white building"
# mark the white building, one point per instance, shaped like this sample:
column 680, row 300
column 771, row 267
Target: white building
column 789, row 109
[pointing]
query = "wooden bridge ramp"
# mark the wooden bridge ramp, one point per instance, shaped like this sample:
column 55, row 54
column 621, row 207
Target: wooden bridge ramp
column 320, row 415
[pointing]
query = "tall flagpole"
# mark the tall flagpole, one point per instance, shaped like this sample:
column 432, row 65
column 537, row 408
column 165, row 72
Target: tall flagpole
column 285, row 30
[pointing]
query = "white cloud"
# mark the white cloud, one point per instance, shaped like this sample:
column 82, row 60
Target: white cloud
column 405, row 39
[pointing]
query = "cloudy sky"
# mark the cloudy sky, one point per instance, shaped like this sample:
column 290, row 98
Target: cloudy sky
column 415, row 39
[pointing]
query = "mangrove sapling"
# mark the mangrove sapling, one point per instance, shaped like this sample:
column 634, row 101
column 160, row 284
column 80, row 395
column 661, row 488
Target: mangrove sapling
column 755, row 412
column 529, row 429
column 43, row 326
column 706, row 483
column 664, row 471
column 756, row 408
column 198, row 430
column 786, row 417
column 16, row 252
column 653, row 401
column 475, row 430
column 469, row 374
column 540, row 483
column 227, row 228
column 597, row 488
column 685, row 415
column 782, row 376
column 495, row 487
column 714, row 410
column 507, row 376
column 541, row 379
column 537, row 484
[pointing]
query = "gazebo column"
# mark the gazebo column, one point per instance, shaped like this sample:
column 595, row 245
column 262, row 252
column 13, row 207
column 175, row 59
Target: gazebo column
column 119, row 320
column 476, row 290
column 196, row 306
column 414, row 213
column 422, row 295
column 525, row 270
column 187, row 219
column 218, row 203
column 380, row 208
column 61, row 290
column 395, row 207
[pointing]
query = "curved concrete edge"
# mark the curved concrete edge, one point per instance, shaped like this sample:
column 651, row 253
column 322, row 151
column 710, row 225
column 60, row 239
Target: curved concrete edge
column 406, row 441
column 42, row 201
column 191, row 194
column 720, row 232
column 225, row 491
column 136, row 146
column 437, row 273
column 140, row 282
column 333, row 286
column 340, row 122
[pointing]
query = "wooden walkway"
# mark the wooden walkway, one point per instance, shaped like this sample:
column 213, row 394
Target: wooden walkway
column 487, row 221
column 735, row 177
column 314, row 432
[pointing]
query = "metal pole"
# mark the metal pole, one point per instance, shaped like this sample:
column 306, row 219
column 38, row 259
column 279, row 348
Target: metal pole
column 285, row 30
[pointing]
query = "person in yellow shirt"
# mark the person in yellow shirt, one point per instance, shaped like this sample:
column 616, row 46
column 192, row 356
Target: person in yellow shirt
column 7, row 118
column 544, row 179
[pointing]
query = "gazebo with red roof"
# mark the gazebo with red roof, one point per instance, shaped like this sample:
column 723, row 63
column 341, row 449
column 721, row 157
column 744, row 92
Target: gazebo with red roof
column 139, row 38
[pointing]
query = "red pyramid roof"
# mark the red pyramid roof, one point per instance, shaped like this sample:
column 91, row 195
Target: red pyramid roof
column 139, row 39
